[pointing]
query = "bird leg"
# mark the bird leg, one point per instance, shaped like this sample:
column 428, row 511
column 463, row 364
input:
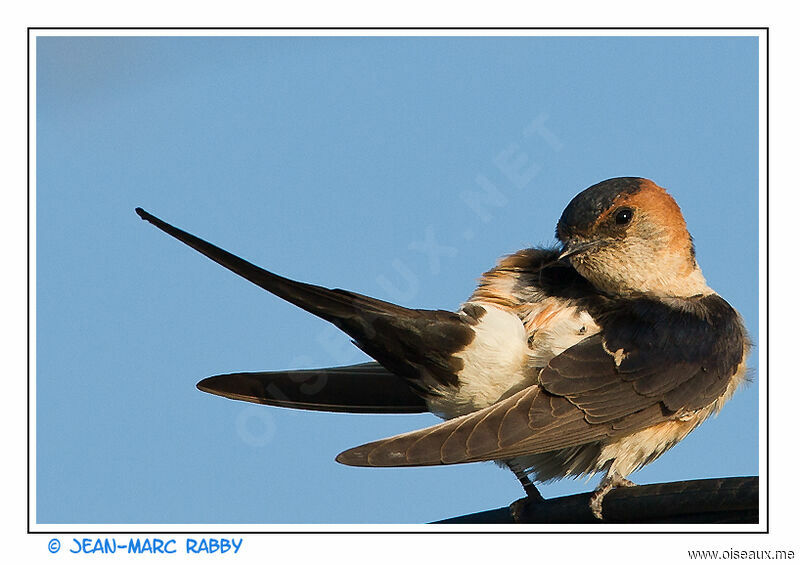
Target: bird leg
column 530, row 489
column 609, row 483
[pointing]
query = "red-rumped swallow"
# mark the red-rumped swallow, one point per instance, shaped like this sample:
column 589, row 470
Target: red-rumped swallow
column 597, row 355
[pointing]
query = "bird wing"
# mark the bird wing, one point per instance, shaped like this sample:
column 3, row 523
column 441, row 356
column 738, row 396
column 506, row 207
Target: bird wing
column 648, row 365
column 365, row 388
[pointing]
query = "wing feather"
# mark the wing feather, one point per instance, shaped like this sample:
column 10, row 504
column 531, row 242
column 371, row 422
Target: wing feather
column 364, row 388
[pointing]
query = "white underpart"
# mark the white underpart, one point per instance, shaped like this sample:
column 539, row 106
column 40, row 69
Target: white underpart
column 494, row 365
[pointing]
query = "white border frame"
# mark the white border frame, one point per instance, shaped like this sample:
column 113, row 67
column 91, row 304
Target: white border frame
column 760, row 33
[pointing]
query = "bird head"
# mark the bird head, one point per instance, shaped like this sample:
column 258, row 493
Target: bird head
column 627, row 236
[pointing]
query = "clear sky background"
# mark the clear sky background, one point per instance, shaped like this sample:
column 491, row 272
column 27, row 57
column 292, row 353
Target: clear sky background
column 338, row 161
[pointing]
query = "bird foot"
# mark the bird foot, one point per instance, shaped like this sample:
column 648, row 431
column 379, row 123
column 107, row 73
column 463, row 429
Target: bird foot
column 517, row 508
column 521, row 510
column 606, row 485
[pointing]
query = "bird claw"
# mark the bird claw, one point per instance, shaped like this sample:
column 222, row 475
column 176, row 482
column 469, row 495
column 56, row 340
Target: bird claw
column 623, row 482
column 533, row 496
column 596, row 503
column 606, row 485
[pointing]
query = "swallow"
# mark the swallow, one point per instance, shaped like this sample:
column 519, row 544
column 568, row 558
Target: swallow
column 595, row 355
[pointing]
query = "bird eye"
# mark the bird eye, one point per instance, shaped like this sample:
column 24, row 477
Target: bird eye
column 623, row 216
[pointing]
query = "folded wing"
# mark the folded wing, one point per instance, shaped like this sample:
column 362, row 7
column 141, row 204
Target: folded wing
column 630, row 377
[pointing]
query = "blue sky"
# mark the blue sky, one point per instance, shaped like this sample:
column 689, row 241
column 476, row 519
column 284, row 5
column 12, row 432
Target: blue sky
column 338, row 161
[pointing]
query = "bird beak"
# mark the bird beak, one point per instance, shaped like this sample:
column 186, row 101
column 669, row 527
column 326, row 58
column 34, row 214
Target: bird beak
column 573, row 247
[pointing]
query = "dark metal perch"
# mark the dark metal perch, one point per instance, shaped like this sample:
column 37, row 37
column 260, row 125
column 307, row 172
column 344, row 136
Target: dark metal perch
column 731, row 500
